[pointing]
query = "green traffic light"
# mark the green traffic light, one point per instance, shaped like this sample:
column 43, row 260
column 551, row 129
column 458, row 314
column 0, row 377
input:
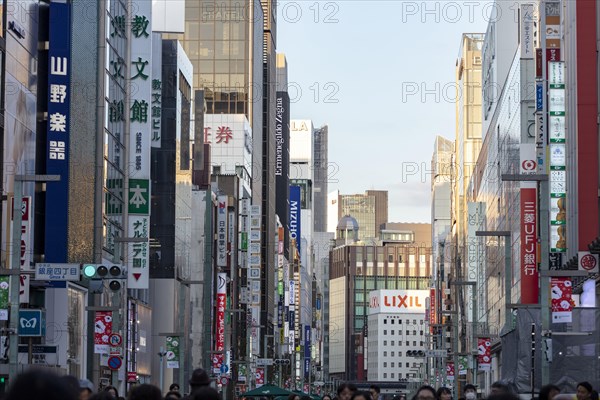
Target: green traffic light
column 89, row 270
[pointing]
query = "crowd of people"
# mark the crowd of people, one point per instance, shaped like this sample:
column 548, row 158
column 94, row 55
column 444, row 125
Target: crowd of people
column 41, row 384
column 498, row 391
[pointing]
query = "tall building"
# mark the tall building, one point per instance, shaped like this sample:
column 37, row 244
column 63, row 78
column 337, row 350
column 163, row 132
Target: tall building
column 321, row 166
column 370, row 211
column 441, row 190
column 397, row 332
column 355, row 271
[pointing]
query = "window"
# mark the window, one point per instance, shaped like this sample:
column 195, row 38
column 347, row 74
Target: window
column 421, row 343
column 415, row 333
column 422, row 322
column 414, row 321
column 392, row 354
column 414, row 343
column 392, row 364
column 385, row 332
column 393, row 343
column 399, row 354
column 407, row 365
column 393, row 322
column 385, row 321
column 384, row 364
column 385, row 375
column 385, row 342
column 400, row 375
column 392, row 332
column 407, row 343
column 400, row 322
column 385, row 353
column 421, row 333
column 392, row 375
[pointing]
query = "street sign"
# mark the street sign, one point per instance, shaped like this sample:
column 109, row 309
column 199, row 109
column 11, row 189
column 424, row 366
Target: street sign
column 223, row 380
column 132, row 377
column 115, row 339
column 436, row 353
column 57, row 272
column 114, row 362
column 32, row 323
column 263, row 362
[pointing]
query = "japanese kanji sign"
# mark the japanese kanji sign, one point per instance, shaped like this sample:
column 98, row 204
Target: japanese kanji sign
column 57, row 272
column 139, row 196
column 139, row 268
column 156, row 103
column 528, row 256
column 222, row 231
column 58, row 131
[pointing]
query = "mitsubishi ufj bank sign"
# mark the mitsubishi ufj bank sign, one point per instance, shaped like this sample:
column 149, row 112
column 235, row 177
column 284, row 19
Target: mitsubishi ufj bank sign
column 398, row 301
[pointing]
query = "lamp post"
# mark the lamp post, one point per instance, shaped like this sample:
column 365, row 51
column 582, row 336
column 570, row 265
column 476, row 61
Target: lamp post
column 15, row 272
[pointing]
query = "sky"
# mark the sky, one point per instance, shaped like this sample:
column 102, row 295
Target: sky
column 381, row 75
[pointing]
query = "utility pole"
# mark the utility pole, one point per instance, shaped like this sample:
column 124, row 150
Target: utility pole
column 15, row 272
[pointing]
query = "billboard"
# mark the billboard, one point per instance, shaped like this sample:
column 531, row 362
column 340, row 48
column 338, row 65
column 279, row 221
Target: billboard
column 220, row 322
column 230, row 139
column 528, row 256
column 58, row 131
column 398, row 301
column 294, row 220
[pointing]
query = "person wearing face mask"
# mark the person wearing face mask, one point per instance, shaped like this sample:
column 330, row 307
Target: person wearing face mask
column 470, row 392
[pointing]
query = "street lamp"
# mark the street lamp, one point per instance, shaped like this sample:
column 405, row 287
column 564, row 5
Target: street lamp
column 15, row 272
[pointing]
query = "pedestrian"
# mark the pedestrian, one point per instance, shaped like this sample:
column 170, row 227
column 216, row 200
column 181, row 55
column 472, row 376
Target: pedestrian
column 470, row 391
column 499, row 387
column 346, row 390
column 173, row 395
column 425, row 392
column 38, row 384
column 199, row 379
column 548, row 392
column 443, row 393
column 585, row 391
column 174, row 387
column 361, row 395
column 205, row 393
column 112, row 391
column 86, row 389
column 293, row 396
column 326, row 397
column 375, row 390
column 145, row 392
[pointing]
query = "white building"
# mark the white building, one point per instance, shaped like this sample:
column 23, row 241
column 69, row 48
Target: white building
column 396, row 325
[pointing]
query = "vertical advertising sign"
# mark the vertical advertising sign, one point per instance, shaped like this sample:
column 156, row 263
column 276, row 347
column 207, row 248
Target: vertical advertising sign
column 26, row 247
column 156, row 91
column 4, row 306
column 102, row 331
column 558, row 162
column 307, row 342
column 260, row 377
column 450, row 371
column 140, row 78
column 528, row 256
column 58, row 132
column 484, row 351
column 295, row 206
column 475, row 219
column 173, row 351
column 218, row 358
column 527, row 31
column 432, row 310
column 561, row 290
column 222, row 231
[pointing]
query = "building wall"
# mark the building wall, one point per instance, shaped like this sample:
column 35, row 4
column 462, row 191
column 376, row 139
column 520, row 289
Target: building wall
column 321, row 169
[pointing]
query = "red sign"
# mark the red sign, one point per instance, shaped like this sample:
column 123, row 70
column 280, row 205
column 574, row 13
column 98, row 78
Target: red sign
column 538, row 63
column 223, row 135
column 260, row 376
column 588, row 262
column 450, row 370
column 432, row 307
column 484, row 351
column 219, row 358
column 528, row 257
column 132, row 377
column 102, row 331
column 562, row 299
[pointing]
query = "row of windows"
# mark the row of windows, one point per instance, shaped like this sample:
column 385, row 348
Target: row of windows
column 393, row 343
column 393, row 354
column 392, row 365
column 393, row 332
column 414, row 321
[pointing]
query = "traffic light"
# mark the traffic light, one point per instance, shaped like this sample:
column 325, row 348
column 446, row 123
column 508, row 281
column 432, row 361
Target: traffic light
column 105, row 271
column 282, row 361
column 415, row 353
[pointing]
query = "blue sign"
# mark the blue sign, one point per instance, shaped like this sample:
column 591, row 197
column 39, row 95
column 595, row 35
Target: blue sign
column 294, row 222
column 114, row 362
column 306, row 351
column 32, row 323
column 57, row 141
column 318, row 303
column 539, row 96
